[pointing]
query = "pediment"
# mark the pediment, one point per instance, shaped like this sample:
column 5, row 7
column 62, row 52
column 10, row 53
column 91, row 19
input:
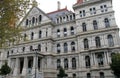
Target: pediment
column 35, row 16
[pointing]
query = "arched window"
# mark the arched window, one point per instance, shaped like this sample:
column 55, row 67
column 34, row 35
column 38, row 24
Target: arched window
column 65, row 47
column 72, row 30
column 73, row 63
column 58, row 48
column 86, row 45
column 40, row 34
column 31, row 48
column 32, row 35
column 39, row 47
column 65, row 63
column 72, row 46
column 84, row 27
column 33, row 20
column 23, row 49
column 58, row 32
column 74, row 75
column 40, row 18
column 98, row 43
column 95, row 25
column 88, row 75
column 65, row 32
column 87, row 62
column 100, row 59
column 58, row 63
column 106, row 21
column 102, row 75
column 110, row 41
column 27, row 21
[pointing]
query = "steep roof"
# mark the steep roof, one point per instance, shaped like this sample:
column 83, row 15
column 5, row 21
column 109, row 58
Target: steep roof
column 79, row 2
column 59, row 12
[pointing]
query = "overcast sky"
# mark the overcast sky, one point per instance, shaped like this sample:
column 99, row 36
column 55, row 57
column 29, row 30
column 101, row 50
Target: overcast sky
column 51, row 5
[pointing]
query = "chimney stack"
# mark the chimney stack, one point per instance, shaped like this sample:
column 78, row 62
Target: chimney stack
column 59, row 5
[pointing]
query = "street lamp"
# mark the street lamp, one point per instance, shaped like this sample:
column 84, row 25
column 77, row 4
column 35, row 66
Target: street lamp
column 35, row 62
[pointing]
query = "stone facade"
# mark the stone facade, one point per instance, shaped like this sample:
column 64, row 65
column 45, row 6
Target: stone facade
column 82, row 42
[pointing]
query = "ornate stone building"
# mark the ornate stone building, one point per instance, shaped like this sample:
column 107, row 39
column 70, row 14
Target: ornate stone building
column 82, row 41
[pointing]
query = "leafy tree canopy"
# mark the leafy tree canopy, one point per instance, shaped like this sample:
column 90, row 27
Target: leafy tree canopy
column 61, row 73
column 10, row 13
column 115, row 65
column 5, row 69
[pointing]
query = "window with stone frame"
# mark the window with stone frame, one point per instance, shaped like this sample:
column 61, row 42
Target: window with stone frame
column 87, row 61
column 72, row 30
column 40, row 18
column 86, row 45
column 65, row 63
column 104, row 8
column 110, row 41
column 23, row 49
column 73, row 46
column 39, row 47
column 40, row 33
column 65, row 32
column 88, row 75
column 33, row 20
column 31, row 48
column 73, row 63
column 58, row 63
column 102, row 75
column 95, row 25
column 32, row 35
column 74, row 75
column 100, row 59
column 65, row 47
column 93, row 10
column 58, row 32
column 27, row 22
column 58, row 48
column 107, row 23
column 98, row 42
column 84, row 27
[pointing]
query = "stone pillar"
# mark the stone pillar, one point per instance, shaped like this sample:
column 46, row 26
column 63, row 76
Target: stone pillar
column 105, row 59
column 94, row 58
column 69, row 63
column 9, row 62
column 25, row 67
column 35, row 64
column 16, row 69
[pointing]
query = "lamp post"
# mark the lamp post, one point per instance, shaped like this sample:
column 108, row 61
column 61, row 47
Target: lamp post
column 36, row 62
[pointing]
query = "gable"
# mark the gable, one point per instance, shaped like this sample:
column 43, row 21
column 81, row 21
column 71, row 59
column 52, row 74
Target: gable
column 34, row 17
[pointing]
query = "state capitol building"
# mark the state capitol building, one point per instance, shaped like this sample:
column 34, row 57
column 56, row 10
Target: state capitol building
column 82, row 42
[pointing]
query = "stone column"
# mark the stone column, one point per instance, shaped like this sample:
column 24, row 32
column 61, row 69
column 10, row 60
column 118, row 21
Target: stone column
column 9, row 62
column 35, row 65
column 105, row 59
column 25, row 67
column 16, row 69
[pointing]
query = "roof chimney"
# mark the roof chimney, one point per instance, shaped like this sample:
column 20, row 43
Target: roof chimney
column 59, row 5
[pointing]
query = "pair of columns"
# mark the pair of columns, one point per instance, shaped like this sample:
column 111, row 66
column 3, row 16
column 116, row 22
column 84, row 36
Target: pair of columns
column 24, row 72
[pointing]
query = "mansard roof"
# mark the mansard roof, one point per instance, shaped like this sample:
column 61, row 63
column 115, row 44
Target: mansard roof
column 57, row 13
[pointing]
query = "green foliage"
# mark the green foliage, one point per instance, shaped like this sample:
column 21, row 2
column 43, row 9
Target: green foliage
column 61, row 73
column 5, row 69
column 115, row 65
column 10, row 13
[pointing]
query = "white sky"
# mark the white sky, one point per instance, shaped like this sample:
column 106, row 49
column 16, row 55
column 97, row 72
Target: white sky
column 51, row 5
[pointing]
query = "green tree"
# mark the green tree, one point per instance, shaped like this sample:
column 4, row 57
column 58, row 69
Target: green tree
column 11, row 12
column 115, row 65
column 61, row 73
column 5, row 69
